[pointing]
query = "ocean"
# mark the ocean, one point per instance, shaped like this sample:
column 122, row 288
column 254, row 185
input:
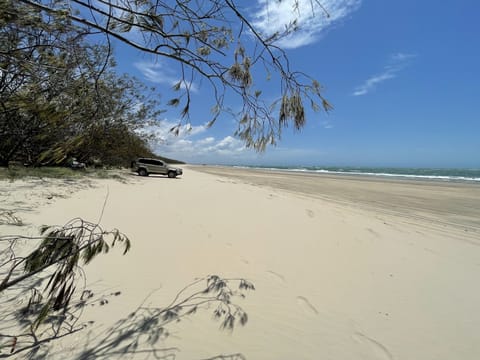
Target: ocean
column 441, row 174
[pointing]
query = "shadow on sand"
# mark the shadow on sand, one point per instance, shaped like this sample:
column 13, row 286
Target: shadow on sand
column 140, row 335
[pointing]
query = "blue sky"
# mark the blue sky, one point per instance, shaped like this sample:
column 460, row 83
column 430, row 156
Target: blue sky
column 403, row 77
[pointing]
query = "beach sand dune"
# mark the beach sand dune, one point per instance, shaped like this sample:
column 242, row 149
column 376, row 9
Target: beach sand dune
column 344, row 267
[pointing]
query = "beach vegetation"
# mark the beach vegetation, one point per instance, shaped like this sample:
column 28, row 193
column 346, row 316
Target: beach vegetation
column 16, row 172
column 60, row 52
column 44, row 281
column 8, row 217
column 61, row 98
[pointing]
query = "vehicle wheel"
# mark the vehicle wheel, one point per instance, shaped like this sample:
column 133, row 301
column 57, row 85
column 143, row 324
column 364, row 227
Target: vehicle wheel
column 142, row 172
column 171, row 174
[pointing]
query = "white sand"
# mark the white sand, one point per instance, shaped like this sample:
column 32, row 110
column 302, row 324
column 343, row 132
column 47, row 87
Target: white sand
column 333, row 280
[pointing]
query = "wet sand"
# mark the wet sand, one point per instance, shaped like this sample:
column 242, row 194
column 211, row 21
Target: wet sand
column 438, row 202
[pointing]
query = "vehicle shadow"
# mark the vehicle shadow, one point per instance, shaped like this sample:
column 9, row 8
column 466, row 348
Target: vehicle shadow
column 156, row 176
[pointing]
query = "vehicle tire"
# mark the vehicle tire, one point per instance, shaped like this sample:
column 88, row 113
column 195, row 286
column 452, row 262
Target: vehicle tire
column 142, row 172
column 171, row 174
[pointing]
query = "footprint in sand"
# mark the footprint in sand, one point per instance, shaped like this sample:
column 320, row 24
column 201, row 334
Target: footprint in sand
column 378, row 350
column 310, row 213
column 373, row 232
column 277, row 275
column 307, row 305
column 430, row 250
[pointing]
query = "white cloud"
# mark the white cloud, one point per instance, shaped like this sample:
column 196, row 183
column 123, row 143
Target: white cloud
column 397, row 62
column 194, row 146
column 189, row 146
column 227, row 146
column 312, row 18
column 207, row 141
column 156, row 72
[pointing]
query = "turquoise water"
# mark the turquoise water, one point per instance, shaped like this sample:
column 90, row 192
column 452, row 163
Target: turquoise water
column 414, row 173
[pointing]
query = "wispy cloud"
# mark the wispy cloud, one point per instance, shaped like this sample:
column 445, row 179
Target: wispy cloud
column 156, row 72
column 397, row 62
column 162, row 133
column 312, row 18
column 327, row 124
column 372, row 82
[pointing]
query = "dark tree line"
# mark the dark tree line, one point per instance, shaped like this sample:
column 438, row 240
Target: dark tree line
column 60, row 96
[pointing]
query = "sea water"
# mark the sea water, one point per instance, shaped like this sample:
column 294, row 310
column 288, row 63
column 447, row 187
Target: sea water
column 413, row 173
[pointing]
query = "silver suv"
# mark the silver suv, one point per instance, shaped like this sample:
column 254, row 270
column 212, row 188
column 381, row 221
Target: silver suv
column 146, row 166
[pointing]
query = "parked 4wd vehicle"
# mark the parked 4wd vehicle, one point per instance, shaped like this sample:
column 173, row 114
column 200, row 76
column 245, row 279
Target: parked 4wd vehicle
column 74, row 164
column 146, row 166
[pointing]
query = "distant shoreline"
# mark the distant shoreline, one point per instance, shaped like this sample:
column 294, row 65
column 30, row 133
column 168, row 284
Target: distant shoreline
column 443, row 202
column 433, row 174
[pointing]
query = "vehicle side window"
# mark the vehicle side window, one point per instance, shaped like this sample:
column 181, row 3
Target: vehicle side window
column 151, row 162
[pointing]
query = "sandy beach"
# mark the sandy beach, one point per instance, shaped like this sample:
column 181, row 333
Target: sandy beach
column 344, row 267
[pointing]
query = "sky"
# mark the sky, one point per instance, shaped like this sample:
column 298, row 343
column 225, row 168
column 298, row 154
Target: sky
column 403, row 78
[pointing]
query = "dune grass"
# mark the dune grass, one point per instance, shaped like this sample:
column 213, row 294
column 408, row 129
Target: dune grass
column 18, row 172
